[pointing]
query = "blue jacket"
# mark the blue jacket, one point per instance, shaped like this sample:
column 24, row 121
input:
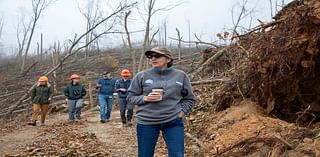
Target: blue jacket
column 121, row 84
column 107, row 86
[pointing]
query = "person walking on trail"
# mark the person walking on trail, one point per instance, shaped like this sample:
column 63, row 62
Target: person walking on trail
column 163, row 96
column 41, row 96
column 106, row 86
column 121, row 87
column 74, row 92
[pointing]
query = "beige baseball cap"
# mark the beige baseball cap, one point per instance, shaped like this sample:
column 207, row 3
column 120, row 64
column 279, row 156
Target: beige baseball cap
column 163, row 51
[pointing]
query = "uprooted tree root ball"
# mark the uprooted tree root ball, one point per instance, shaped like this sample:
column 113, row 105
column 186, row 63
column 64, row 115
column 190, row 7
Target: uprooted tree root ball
column 278, row 65
column 285, row 64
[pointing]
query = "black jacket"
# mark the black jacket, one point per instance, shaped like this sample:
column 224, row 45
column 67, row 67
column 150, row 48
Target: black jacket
column 74, row 91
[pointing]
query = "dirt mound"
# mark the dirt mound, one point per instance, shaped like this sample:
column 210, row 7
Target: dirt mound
column 245, row 130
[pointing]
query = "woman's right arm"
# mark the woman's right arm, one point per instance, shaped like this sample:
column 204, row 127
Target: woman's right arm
column 136, row 91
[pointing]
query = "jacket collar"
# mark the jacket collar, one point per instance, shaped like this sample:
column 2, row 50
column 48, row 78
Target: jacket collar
column 47, row 85
column 161, row 71
column 74, row 84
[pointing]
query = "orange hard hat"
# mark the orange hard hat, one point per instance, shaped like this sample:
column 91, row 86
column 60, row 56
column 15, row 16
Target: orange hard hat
column 125, row 72
column 43, row 79
column 74, row 76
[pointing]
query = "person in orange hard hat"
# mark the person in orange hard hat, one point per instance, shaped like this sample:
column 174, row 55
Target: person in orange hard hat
column 41, row 96
column 121, row 88
column 74, row 92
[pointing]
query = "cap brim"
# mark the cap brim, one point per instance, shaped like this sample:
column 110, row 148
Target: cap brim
column 151, row 51
column 147, row 53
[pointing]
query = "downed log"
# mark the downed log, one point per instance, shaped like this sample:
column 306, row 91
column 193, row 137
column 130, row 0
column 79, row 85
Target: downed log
column 9, row 94
column 58, row 108
column 23, row 74
column 203, row 82
column 263, row 26
column 284, row 141
column 207, row 62
column 200, row 143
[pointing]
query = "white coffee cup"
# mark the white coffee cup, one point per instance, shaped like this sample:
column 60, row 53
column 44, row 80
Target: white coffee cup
column 158, row 90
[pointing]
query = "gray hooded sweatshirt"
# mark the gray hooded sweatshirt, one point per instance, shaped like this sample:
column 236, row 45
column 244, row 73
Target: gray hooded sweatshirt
column 173, row 81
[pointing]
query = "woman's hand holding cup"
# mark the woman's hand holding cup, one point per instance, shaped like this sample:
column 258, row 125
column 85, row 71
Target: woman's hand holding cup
column 154, row 96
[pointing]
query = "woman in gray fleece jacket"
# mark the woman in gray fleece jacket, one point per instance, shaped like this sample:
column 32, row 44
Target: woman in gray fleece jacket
column 161, row 111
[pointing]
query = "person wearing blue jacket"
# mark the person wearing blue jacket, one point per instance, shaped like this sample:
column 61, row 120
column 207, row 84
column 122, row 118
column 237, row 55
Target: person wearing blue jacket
column 122, row 86
column 106, row 86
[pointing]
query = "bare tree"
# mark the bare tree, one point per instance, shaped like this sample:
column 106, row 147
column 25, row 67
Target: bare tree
column 1, row 26
column 244, row 13
column 23, row 28
column 91, row 13
column 179, row 43
column 38, row 6
column 132, row 50
column 76, row 45
column 150, row 11
column 271, row 8
column 165, row 32
column 189, row 32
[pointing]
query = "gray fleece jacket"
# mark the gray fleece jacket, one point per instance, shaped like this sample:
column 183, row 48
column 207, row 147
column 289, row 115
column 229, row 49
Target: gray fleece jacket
column 173, row 81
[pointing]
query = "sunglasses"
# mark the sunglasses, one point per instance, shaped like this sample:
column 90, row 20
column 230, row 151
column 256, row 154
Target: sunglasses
column 154, row 55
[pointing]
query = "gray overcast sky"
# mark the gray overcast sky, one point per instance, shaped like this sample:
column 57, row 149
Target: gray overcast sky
column 62, row 19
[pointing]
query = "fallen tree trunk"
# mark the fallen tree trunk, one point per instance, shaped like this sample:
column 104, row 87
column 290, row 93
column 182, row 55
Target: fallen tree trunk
column 9, row 94
column 203, row 82
column 207, row 62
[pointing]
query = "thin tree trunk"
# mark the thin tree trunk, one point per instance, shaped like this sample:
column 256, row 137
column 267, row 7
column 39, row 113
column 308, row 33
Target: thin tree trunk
column 146, row 35
column 189, row 31
column 133, row 52
column 271, row 8
column 41, row 47
column 179, row 44
column 165, row 33
column 28, row 45
column 90, row 95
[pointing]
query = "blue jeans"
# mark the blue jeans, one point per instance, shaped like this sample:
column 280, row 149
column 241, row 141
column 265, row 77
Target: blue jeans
column 105, row 101
column 74, row 108
column 124, row 105
column 173, row 134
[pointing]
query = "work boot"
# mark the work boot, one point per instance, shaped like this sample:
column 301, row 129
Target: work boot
column 102, row 121
column 130, row 123
column 33, row 123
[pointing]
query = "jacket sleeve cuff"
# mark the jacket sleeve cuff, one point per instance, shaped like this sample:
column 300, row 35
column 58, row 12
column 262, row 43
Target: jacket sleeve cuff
column 185, row 111
column 142, row 100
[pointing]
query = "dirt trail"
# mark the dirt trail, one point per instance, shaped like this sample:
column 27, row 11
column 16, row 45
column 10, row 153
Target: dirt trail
column 120, row 140
column 117, row 140
column 26, row 135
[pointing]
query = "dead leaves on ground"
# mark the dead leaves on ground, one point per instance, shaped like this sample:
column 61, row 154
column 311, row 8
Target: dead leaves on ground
column 63, row 140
